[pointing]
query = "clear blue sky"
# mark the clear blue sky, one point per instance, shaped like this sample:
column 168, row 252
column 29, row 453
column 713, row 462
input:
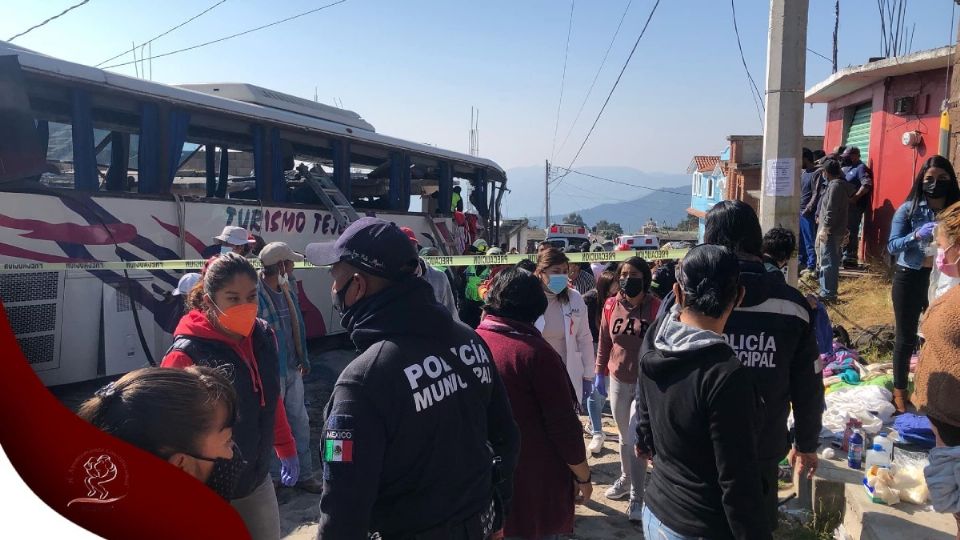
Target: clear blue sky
column 414, row 68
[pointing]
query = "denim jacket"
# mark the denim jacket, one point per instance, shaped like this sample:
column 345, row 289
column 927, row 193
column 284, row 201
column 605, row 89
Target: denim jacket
column 903, row 239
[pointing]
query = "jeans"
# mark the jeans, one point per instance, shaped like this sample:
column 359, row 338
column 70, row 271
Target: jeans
column 622, row 398
column 909, row 301
column 829, row 267
column 852, row 249
column 260, row 511
column 293, row 402
column 808, row 238
column 595, row 403
column 654, row 529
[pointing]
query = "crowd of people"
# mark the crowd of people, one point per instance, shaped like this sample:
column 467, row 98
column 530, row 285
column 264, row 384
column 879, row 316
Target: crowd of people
column 461, row 416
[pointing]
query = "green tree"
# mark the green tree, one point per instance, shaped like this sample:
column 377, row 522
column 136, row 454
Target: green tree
column 574, row 218
column 607, row 229
column 688, row 223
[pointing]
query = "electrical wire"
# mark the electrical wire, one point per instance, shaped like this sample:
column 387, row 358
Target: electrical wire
column 57, row 16
column 757, row 97
column 643, row 31
column 151, row 40
column 563, row 79
column 238, row 34
column 596, row 76
column 815, row 53
column 622, row 183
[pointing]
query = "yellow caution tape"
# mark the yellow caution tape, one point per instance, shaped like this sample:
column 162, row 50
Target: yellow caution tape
column 458, row 260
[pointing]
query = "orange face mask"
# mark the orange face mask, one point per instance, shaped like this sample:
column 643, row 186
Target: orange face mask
column 238, row 319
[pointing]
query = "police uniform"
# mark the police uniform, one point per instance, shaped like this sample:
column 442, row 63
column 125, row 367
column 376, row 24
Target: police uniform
column 416, row 422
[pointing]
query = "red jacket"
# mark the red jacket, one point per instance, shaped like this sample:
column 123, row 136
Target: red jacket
column 551, row 437
column 196, row 323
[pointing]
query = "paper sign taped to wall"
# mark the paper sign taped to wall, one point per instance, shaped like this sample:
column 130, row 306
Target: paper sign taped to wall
column 780, row 175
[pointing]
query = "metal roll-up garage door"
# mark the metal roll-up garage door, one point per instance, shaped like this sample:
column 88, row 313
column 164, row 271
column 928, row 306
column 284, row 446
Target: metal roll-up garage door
column 858, row 133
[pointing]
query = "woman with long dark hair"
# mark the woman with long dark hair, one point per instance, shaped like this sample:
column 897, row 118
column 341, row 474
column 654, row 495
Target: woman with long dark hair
column 623, row 323
column 222, row 329
column 912, row 242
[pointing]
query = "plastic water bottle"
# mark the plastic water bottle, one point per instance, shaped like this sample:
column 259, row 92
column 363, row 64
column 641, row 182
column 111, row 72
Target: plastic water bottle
column 855, row 451
column 886, row 444
column 877, row 456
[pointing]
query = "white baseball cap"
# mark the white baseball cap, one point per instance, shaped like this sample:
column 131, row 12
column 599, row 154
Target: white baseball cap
column 275, row 252
column 186, row 284
column 235, row 236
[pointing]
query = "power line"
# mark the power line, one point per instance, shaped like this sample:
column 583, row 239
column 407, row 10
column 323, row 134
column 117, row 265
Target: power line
column 57, row 16
column 815, row 53
column 622, row 183
column 596, row 76
column 563, row 78
column 610, row 94
column 151, row 40
column 245, row 32
column 757, row 99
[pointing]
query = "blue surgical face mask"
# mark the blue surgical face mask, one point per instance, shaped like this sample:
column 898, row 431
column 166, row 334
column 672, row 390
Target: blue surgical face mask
column 557, row 283
column 224, row 249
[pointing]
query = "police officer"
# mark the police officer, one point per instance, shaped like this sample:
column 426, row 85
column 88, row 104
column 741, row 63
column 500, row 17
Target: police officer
column 772, row 335
column 419, row 439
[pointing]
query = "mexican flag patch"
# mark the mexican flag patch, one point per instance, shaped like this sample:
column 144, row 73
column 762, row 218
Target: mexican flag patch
column 338, row 446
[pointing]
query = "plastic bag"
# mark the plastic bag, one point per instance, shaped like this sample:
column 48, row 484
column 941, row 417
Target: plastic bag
column 908, row 478
column 858, row 402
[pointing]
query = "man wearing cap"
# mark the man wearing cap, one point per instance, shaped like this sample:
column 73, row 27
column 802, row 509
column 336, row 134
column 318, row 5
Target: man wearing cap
column 860, row 179
column 277, row 297
column 232, row 238
column 415, row 422
column 437, row 279
column 173, row 307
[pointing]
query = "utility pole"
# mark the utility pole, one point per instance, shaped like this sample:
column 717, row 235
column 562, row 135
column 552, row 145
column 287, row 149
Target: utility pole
column 836, row 29
column 546, row 196
column 783, row 128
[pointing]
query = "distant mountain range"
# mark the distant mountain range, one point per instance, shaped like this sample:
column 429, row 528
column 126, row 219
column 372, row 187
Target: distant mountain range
column 525, row 199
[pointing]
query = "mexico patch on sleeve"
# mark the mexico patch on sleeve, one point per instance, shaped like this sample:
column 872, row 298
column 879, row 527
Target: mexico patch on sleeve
column 338, row 440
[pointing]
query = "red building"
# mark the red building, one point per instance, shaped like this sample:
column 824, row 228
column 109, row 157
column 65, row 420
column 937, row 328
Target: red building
column 890, row 109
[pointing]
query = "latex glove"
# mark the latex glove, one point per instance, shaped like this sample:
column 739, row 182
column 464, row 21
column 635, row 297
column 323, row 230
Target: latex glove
column 598, row 384
column 926, row 231
column 290, row 470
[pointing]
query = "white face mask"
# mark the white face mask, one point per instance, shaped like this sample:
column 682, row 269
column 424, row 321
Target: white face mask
column 283, row 280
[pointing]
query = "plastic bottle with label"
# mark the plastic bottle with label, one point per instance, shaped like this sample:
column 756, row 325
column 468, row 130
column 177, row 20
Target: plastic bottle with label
column 877, row 456
column 855, row 450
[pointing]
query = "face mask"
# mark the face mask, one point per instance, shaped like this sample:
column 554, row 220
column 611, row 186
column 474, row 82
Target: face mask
column 947, row 268
column 340, row 297
column 224, row 249
column 557, row 283
column 225, row 474
column 238, row 319
column 631, row 286
column 283, row 280
column 935, row 190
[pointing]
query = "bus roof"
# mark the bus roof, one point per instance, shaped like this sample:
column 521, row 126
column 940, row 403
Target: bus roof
column 33, row 61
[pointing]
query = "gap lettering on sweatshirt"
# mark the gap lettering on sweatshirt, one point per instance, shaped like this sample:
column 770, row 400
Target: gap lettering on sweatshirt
column 432, row 379
column 754, row 350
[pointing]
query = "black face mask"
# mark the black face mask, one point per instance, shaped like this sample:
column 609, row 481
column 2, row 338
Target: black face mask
column 225, row 474
column 340, row 297
column 631, row 286
column 935, row 190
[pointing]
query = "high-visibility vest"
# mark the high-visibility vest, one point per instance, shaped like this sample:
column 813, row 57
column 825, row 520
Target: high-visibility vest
column 472, row 291
column 454, row 201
